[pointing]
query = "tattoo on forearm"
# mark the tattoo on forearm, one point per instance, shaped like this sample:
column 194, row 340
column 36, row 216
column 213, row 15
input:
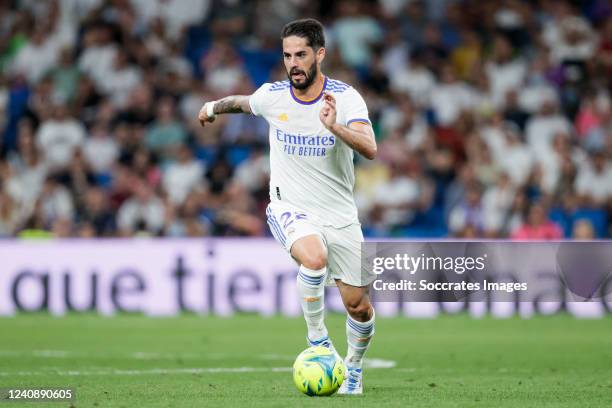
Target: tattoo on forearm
column 230, row 104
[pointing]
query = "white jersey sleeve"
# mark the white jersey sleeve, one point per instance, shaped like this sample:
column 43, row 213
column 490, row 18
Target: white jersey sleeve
column 265, row 97
column 352, row 108
column 257, row 101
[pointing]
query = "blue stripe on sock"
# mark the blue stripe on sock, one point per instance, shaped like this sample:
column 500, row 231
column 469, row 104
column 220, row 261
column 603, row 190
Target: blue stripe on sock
column 313, row 280
column 362, row 330
column 310, row 282
column 360, row 325
column 366, row 330
column 305, row 278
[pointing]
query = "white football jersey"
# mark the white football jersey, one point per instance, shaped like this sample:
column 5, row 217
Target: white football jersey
column 311, row 169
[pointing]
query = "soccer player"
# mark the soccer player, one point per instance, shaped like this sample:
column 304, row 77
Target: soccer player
column 316, row 123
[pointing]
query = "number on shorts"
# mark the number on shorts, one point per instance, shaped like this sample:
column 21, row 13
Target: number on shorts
column 288, row 217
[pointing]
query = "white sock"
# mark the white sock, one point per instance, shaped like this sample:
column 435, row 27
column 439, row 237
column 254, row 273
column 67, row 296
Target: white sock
column 358, row 335
column 311, row 289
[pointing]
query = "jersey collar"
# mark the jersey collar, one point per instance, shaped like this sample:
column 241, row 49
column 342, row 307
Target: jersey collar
column 310, row 102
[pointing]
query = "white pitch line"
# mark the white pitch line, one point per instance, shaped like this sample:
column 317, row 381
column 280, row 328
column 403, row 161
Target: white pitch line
column 151, row 371
column 142, row 355
column 157, row 371
column 138, row 355
column 378, row 363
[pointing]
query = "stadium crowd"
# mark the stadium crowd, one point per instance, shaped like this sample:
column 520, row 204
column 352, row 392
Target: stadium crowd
column 493, row 118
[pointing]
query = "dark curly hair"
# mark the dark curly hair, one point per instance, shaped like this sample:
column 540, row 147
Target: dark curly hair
column 308, row 28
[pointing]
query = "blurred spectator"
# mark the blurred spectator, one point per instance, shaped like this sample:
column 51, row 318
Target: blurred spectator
column 186, row 221
column 415, row 80
column 97, row 217
column 176, row 14
column 121, row 79
column 405, row 120
column 594, row 181
column 100, row 149
column 538, row 88
column 65, row 76
column 144, row 164
column 412, row 21
column 537, row 226
column 569, row 36
column 507, row 149
column 236, row 216
column 37, row 56
column 55, row 202
column 27, row 170
column 98, row 54
column 515, row 217
column 142, row 213
column 504, row 69
column 449, row 97
column 496, row 203
column 542, row 128
column 468, row 218
column 396, row 200
column 223, row 68
column 355, row 33
column 583, row 230
column 59, row 137
column 594, row 120
column 396, row 53
column 219, row 177
column 254, row 172
column 182, row 176
column 467, row 55
column 432, row 49
column 166, row 134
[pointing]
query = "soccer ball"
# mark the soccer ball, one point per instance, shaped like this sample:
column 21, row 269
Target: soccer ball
column 317, row 371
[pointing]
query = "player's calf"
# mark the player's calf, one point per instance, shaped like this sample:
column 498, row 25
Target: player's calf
column 311, row 289
column 359, row 332
column 311, row 254
column 359, row 335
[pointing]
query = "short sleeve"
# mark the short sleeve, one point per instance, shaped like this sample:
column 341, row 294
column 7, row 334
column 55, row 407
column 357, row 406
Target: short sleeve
column 354, row 107
column 257, row 101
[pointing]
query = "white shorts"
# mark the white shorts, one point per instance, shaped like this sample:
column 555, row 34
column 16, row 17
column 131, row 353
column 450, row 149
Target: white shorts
column 289, row 224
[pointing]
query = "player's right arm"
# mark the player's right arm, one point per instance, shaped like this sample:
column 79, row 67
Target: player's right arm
column 229, row 104
column 257, row 104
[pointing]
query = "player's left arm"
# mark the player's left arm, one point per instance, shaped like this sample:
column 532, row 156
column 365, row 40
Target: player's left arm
column 358, row 135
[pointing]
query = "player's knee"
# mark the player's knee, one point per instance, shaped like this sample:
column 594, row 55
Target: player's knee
column 315, row 260
column 359, row 310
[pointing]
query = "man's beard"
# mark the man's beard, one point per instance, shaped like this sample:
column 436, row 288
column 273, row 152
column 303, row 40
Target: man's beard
column 309, row 77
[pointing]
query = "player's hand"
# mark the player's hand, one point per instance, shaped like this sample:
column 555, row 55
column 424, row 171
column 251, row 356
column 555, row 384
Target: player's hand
column 203, row 115
column 328, row 111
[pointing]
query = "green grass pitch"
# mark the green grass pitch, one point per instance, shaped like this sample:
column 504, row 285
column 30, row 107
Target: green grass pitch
column 190, row 361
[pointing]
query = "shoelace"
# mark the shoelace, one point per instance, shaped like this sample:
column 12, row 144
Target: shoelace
column 353, row 379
